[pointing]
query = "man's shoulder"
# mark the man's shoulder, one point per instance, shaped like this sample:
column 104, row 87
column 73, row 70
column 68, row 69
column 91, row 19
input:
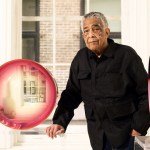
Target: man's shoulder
column 82, row 51
column 80, row 55
column 126, row 50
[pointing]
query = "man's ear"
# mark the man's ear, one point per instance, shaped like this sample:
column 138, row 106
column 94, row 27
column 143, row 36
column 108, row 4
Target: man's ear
column 107, row 32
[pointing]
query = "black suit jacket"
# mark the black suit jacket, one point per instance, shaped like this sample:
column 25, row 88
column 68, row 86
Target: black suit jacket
column 114, row 89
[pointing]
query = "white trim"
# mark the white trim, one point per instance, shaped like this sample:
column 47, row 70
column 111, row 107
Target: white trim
column 148, row 25
column 134, row 27
column 5, row 30
column 56, row 64
column 87, row 6
column 50, row 18
column 8, row 28
column 36, row 18
column 17, row 29
column 7, row 135
column 54, row 39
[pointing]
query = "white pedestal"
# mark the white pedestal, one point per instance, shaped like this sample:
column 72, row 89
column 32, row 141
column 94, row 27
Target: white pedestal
column 8, row 137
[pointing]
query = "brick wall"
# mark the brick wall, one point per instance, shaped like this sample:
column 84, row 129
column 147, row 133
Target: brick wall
column 68, row 7
column 62, row 73
column 67, row 36
column 67, row 40
column 45, row 33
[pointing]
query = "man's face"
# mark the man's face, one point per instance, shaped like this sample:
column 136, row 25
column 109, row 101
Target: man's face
column 95, row 35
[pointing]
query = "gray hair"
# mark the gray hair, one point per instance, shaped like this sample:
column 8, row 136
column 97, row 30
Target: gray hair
column 95, row 15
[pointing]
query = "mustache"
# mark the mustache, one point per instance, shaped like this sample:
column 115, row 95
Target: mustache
column 93, row 41
column 94, row 38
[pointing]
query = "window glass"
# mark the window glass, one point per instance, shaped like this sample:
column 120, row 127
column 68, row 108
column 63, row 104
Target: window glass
column 29, row 8
column 111, row 9
column 28, row 48
column 29, row 26
column 30, row 30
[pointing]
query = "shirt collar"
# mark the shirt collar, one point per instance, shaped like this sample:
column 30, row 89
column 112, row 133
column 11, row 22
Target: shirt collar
column 109, row 52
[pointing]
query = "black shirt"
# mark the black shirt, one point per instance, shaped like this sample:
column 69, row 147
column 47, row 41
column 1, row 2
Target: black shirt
column 115, row 84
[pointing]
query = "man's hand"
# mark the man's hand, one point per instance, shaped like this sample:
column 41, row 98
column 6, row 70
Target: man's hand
column 53, row 130
column 135, row 133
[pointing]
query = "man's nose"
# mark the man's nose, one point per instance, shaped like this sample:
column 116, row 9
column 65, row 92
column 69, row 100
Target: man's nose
column 91, row 33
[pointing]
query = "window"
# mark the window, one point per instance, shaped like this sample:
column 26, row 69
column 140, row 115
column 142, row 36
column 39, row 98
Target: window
column 30, row 31
column 112, row 10
column 51, row 34
column 51, row 31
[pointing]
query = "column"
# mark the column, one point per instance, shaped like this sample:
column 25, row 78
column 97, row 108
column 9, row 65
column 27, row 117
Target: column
column 5, row 30
column 8, row 137
column 135, row 20
column 135, row 28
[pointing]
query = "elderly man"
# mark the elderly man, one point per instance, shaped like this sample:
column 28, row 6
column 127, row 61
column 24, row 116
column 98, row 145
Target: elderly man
column 111, row 81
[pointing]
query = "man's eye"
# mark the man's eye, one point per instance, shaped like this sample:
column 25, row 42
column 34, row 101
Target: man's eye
column 96, row 29
column 86, row 31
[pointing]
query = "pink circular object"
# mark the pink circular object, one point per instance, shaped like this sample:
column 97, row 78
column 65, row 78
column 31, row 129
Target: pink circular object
column 149, row 92
column 149, row 84
column 27, row 94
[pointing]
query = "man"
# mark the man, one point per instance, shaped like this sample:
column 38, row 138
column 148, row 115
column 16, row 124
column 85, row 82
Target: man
column 111, row 81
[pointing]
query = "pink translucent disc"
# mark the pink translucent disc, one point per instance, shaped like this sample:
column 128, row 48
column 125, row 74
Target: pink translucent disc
column 149, row 92
column 27, row 94
column 149, row 84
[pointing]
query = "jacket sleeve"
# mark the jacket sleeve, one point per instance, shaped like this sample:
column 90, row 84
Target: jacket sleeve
column 141, row 118
column 69, row 100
